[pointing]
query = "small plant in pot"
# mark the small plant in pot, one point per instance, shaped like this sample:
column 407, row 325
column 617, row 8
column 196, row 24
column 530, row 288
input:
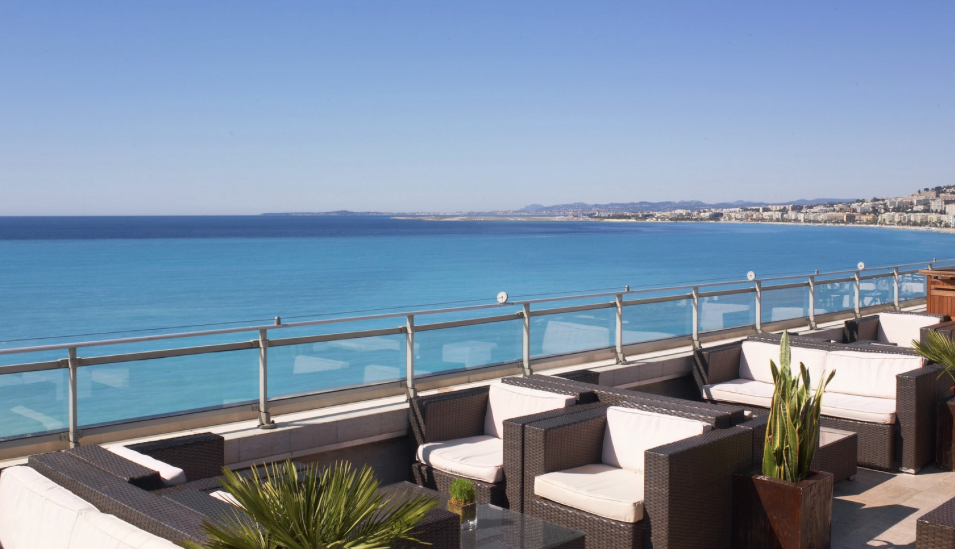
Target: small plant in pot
column 788, row 505
column 462, row 502
column 939, row 348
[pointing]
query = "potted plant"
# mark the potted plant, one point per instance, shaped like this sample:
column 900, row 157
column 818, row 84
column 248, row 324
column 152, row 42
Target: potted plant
column 336, row 507
column 788, row 506
column 462, row 502
column 940, row 348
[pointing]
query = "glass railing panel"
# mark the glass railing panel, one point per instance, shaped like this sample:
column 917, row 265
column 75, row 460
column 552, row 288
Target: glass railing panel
column 876, row 291
column 314, row 367
column 784, row 304
column 653, row 321
column 911, row 286
column 727, row 311
column 463, row 347
column 834, row 296
column 143, row 388
column 561, row 334
column 34, row 403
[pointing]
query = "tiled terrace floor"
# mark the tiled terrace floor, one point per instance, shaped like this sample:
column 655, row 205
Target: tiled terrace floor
column 878, row 509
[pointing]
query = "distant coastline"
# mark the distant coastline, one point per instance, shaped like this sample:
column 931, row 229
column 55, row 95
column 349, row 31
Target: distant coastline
column 657, row 221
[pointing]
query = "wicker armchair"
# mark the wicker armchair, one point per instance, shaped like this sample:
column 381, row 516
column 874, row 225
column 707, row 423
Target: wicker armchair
column 893, row 328
column 907, row 443
column 687, row 484
column 461, row 415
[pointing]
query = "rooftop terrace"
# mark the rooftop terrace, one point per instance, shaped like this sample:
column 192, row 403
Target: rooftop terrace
column 367, row 423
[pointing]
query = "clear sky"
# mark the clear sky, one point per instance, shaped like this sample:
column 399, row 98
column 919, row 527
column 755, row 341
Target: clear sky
column 240, row 108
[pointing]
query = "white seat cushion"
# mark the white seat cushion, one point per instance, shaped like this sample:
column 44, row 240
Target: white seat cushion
column 868, row 374
column 480, row 458
column 170, row 475
column 741, row 391
column 755, row 357
column 225, row 497
column 509, row 401
column 859, row 408
column 902, row 329
column 630, row 433
column 96, row 530
column 35, row 511
column 598, row 489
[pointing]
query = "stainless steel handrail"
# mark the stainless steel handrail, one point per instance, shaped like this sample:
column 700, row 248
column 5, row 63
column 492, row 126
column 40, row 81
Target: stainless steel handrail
column 262, row 342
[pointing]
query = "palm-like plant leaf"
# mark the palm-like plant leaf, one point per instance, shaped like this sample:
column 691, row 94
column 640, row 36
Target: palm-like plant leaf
column 792, row 429
column 335, row 508
column 940, row 349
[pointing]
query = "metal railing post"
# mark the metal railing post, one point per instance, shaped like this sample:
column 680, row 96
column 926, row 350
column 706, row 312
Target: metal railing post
column 409, row 357
column 895, row 299
column 812, row 302
column 74, row 433
column 619, row 303
column 759, row 307
column 696, row 317
column 265, row 418
column 526, row 350
column 858, row 302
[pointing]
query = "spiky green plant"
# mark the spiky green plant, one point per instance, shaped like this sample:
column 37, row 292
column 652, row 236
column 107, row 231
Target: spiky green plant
column 334, row 508
column 792, row 431
column 462, row 491
column 940, row 349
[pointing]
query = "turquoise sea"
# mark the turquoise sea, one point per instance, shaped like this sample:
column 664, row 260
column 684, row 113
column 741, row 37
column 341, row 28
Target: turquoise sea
column 76, row 279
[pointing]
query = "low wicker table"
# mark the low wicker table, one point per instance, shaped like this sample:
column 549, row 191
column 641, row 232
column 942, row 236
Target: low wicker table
column 837, row 453
column 499, row 528
column 936, row 529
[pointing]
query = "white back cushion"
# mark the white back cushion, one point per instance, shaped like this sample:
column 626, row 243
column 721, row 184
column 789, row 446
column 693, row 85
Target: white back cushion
column 630, row 433
column 170, row 475
column 509, row 401
column 755, row 357
column 867, row 374
column 902, row 329
column 36, row 512
column 95, row 530
column 754, row 360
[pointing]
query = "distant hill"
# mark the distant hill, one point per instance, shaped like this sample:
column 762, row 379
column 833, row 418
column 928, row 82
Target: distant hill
column 667, row 206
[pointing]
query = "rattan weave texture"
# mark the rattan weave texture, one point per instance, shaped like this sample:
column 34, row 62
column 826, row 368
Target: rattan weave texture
column 199, row 456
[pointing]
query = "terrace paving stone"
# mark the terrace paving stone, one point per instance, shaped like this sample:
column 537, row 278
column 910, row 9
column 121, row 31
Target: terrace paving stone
column 878, row 509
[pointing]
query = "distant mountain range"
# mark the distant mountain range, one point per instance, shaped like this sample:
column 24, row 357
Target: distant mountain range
column 613, row 207
column 667, row 206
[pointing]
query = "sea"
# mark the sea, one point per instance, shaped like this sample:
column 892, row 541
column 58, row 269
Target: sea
column 75, row 279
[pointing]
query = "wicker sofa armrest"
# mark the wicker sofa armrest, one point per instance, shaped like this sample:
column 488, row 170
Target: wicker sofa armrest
column 861, row 329
column 758, row 426
column 946, row 327
column 145, row 510
column 717, row 364
column 917, row 394
column 199, row 456
column 447, row 416
column 118, row 466
column 581, row 391
column 514, row 450
column 688, row 488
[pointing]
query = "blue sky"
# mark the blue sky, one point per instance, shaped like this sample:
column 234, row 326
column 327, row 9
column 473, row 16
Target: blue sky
column 110, row 108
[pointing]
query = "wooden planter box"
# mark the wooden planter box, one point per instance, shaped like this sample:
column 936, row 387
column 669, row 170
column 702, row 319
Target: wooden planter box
column 774, row 514
column 944, row 435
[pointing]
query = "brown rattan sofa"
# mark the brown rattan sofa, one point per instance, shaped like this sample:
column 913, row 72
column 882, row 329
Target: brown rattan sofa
column 895, row 328
column 687, row 485
column 904, row 439
column 936, row 529
column 455, row 415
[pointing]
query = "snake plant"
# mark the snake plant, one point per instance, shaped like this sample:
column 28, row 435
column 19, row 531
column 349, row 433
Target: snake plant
column 792, row 432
